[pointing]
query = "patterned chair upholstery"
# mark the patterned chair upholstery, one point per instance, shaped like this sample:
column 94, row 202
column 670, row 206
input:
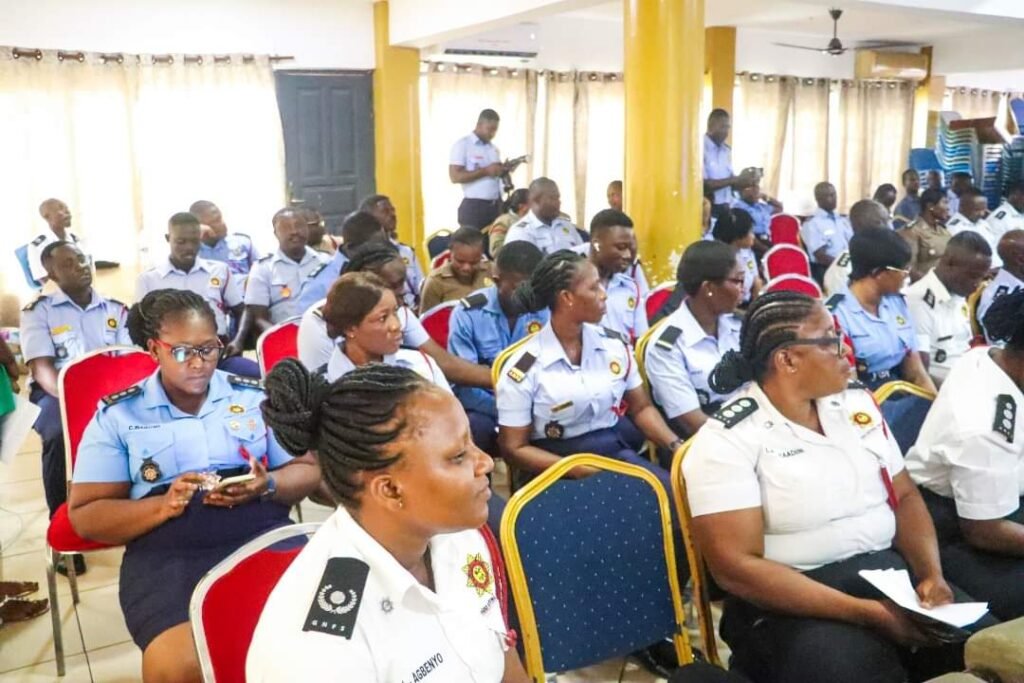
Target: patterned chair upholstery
column 904, row 407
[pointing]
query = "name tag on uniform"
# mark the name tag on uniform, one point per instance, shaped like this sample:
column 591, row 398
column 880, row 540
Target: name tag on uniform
column 60, row 329
column 561, row 406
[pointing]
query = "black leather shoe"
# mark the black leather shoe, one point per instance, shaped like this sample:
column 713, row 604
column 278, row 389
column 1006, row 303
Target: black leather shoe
column 79, row 561
column 659, row 659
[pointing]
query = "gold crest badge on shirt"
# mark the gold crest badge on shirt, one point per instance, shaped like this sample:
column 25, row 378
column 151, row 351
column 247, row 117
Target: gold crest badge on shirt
column 478, row 574
column 112, row 323
column 533, row 327
column 862, row 419
column 615, row 367
column 215, row 282
column 631, row 303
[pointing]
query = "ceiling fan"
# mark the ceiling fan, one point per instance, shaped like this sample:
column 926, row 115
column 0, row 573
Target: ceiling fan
column 835, row 46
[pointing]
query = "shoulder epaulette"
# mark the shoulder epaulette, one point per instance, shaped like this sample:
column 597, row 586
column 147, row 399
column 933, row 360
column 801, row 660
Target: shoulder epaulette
column 929, row 298
column 247, row 382
column 115, row 301
column 856, row 384
column 474, row 300
column 955, row 221
column 731, row 414
column 31, row 305
column 667, row 338
column 39, row 240
column 518, row 372
column 1000, row 290
column 265, row 257
column 1000, row 215
column 843, row 260
column 318, row 313
column 338, row 598
column 118, row 396
column 834, row 301
column 615, row 334
column 316, row 271
column 1006, row 416
column 242, row 234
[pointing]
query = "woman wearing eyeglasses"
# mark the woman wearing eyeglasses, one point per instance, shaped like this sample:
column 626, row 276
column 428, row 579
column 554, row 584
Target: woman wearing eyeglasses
column 794, row 487
column 874, row 314
column 146, row 454
column 687, row 345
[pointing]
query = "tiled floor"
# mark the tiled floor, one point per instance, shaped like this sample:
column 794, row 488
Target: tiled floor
column 96, row 643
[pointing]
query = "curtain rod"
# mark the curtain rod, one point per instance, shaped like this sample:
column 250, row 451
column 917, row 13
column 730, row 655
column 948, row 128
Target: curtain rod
column 78, row 56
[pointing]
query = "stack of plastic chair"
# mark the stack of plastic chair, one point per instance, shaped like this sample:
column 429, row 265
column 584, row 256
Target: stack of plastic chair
column 923, row 160
column 955, row 144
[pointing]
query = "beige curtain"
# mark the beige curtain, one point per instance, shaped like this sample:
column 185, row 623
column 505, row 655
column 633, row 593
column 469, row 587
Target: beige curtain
column 872, row 139
column 126, row 145
column 805, row 153
column 974, row 103
column 762, row 108
column 451, row 97
column 604, row 160
column 556, row 154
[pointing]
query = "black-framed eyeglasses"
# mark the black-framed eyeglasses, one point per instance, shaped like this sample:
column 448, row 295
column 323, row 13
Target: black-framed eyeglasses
column 905, row 272
column 824, row 342
column 183, row 352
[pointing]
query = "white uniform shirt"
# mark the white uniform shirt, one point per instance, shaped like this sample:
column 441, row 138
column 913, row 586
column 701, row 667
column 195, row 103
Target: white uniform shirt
column 958, row 223
column 941, row 322
column 345, row 610
column 413, row 359
column 746, row 260
column 680, row 357
column 837, row 277
column 211, row 280
column 44, row 239
column 276, row 282
column 472, row 153
column 561, row 234
column 624, row 312
column 562, row 400
column 823, row 496
column 1004, row 282
column 413, row 273
column 315, row 347
column 1004, row 219
column 971, row 447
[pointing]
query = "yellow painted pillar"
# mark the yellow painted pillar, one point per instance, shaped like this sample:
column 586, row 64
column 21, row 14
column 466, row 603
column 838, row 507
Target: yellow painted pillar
column 396, row 128
column 720, row 64
column 664, row 79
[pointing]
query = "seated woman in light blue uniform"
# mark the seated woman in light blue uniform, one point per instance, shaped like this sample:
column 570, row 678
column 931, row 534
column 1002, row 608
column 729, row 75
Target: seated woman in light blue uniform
column 873, row 313
column 138, row 475
column 566, row 389
column 689, row 343
column 364, row 311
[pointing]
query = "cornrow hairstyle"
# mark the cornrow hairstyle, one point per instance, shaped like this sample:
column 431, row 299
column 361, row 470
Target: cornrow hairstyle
column 348, row 423
column 470, row 237
column 771, row 320
column 552, row 276
column 703, row 261
column 520, row 257
column 371, row 256
column 146, row 317
column 1004, row 320
column 351, row 298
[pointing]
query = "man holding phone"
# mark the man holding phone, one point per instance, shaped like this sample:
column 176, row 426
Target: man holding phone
column 475, row 163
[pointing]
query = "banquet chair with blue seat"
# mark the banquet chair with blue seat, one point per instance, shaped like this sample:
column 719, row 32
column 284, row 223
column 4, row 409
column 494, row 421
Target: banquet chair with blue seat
column 904, row 407
column 591, row 564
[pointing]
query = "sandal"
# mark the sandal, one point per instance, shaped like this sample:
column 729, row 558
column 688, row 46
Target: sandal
column 17, row 589
column 18, row 609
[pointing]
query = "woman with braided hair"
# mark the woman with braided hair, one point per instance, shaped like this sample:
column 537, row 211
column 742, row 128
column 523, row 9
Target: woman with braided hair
column 148, row 469
column 568, row 388
column 795, row 486
column 404, row 579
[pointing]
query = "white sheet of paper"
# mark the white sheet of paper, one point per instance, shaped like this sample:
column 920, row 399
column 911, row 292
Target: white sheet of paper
column 14, row 428
column 895, row 584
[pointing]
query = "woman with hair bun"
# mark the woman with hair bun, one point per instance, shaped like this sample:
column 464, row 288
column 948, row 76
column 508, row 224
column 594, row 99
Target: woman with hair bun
column 969, row 463
column 795, row 486
column 147, row 471
column 569, row 387
column 404, row 579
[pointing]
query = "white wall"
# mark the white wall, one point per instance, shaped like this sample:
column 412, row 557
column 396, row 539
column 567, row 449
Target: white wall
column 335, row 34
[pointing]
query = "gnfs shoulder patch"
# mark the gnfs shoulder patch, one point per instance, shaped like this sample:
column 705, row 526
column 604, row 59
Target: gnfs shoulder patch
column 667, row 339
column 518, row 372
column 834, row 301
column 735, row 412
column 247, row 382
column 338, row 597
column 118, row 396
column 1006, row 416
column 474, row 300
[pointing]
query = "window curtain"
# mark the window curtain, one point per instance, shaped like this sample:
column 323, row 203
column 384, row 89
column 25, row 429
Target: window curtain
column 872, row 140
column 128, row 144
column 805, row 154
column 451, row 97
column 974, row 103
column 762, row 105
column 605, row 152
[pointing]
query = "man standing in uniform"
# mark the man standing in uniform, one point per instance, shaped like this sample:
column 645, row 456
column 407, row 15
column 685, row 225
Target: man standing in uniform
column 475, row 163
column 463, row 273
column 58, row 217
column 381, row 208
column 1010, row 214
column 908, row 208
column 55, row 329
column 236, row 249
column 938, row 303
column 543, row 225
column 719, row 180
column 211, row 280
column 826, row 233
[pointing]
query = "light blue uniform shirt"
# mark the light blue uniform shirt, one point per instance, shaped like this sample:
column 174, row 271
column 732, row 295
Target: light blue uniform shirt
column 413, row 273
column 277, row 282
column 829, row 230
column 412, row 359
column 317, row 286
column 236, row 250
column 624, row 309
column 478, row 331
column 760, row 212
column 209, row 279
column 561, row 234
column 880, row 342
column 717, row 166
column 559, row 399
column 136, row 429
column 472, row 153
column 680, row 357
column 54, row 326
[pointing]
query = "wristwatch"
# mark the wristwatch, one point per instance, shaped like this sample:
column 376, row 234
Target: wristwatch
column 271, row 489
